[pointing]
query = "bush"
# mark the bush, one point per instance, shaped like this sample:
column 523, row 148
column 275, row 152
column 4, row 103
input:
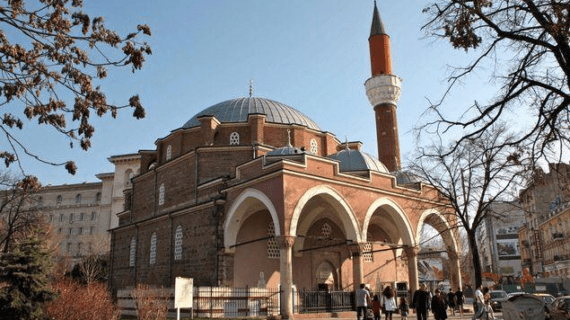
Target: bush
column 151, row 304
column 81, row 302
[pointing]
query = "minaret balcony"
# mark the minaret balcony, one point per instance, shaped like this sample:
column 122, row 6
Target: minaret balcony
column 383, row 89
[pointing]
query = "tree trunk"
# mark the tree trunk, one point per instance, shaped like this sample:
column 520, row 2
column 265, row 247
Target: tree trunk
column 475, row 256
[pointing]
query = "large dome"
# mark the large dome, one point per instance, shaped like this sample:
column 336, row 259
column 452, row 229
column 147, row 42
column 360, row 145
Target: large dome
column 237, row 110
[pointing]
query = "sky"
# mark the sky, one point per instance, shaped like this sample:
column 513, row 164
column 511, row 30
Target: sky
column 311, row 55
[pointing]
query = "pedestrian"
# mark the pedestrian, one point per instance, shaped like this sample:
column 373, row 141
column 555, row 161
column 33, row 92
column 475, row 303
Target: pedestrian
column 459, row 300
column 376, row 306
column 480, row 303
column 389, row 302
column 488, row 308
column 451, row 301
column 404, row 308
column 362, row 301
column 421, row 302
column 438, row 306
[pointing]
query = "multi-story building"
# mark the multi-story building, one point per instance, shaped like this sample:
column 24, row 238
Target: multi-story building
column 498, row 239
column 555, row 233
column 80, row 215
column 545, row 196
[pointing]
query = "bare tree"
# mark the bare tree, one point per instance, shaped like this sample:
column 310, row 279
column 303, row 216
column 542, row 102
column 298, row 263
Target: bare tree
column 18, row 211
column 470, row 177
column 51, row 50
column 94, row 262
column 526, row 45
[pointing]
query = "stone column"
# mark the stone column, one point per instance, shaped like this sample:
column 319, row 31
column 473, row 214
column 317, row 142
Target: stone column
column 413, row 278
column 286, row 269
column 454, row 269
column 357, row 271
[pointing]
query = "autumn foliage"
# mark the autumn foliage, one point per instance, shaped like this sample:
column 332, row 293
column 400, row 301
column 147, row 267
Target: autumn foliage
column 81, row 302
column 52, row 58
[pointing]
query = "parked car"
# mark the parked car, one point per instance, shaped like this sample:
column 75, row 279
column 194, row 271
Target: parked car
column 559, row 309
column 497, row 299
column 547, row 298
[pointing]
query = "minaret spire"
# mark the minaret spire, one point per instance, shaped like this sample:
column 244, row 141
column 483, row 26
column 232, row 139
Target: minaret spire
column 383, row 91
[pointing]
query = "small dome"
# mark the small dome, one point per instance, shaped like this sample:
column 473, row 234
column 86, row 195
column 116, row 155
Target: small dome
column 285, row 151
column 237, row 110
column 356, row 160
column 406, row 177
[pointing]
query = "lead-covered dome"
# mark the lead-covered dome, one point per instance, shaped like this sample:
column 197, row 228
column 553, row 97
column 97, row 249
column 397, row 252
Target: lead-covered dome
column 356, row 160
column 237, row 110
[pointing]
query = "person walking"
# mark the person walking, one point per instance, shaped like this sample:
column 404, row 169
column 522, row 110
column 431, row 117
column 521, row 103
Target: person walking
column 438, row 306
column 389, row 302
column 451, row 301
column 376, row 306
column 421, row 302
column 404, row 308
column 459, row 300
column 488, row 308
column 362, row 301
column 480, row 302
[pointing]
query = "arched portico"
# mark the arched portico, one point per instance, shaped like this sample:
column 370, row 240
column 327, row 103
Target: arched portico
column 441, row 224
column 248, row 202
column 389, row 229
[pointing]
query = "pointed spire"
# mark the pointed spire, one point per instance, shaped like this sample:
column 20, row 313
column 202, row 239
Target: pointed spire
column 377, row 25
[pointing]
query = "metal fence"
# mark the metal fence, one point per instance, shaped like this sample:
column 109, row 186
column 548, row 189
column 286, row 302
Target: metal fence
column 325, row 301
column 216, row 302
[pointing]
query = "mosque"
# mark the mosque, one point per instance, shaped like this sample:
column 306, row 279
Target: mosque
column 251, row 192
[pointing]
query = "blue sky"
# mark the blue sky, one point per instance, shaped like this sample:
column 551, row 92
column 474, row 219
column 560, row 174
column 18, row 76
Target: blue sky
column 309, row 54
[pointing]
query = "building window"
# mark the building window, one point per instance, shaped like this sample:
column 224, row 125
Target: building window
column 314, row 147
column 79, row 249
column 367, row 252
column 161, row 195
column 132, row 252
column 91, row 230
column 81, row 216
column 70, row 231
column 59, row 199
column 326, row 231
column 40, row 201
column 78, row 198
column 61, row 217
column 98, row 197
column 153, row 242
column 71, row 216
column 80, row 230
column 234, row 138
column 168, row 152
column 272, row 245
column 69, row 248
column 51, row 218
column 178, row 236
column 93, row 216
column 59, row 231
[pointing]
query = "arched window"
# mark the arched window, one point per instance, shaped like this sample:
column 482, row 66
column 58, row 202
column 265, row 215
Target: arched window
column 78, row 198
column 132, row 252
column 128, row 176
column 161, row 195
column 168, row 152
column 153, row 241
column 178, row 236
column 234, row 138
column 314, row 146
column 59, row 199
column 272, row 245
column 98, row 197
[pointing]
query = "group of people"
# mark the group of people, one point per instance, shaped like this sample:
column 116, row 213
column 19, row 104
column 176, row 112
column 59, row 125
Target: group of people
column 483, row 304
column 422, row 302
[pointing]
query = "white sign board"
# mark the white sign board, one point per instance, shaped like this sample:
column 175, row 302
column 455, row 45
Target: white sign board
column 183, row 293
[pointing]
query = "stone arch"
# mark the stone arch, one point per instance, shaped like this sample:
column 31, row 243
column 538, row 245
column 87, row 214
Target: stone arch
column 333, row 198
column 241, row 207
column 438, row 221
column 401, row 219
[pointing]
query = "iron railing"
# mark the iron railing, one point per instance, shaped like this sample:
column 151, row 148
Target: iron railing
column 325, row 301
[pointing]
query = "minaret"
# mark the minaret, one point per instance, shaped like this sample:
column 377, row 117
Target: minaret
column 383, row 91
